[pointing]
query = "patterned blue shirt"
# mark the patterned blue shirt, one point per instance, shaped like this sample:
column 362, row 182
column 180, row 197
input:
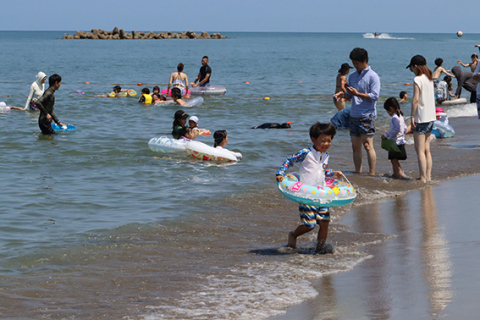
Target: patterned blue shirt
column 367, row 81
column 300, row 157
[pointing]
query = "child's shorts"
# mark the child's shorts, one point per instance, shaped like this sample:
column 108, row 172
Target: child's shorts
column 362, row 126
column 402, row 155
column 311, row 215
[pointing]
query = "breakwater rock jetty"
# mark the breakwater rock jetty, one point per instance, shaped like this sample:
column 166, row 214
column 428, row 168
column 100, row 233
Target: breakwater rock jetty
column 120, row 34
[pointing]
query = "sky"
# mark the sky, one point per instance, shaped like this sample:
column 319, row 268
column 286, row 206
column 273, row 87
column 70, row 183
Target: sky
column 406, row 16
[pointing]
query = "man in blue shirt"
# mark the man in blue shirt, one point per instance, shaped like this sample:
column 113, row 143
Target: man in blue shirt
column 363, row 88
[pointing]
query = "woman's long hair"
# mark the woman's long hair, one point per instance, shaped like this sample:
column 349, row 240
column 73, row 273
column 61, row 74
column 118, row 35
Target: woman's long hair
column 424, row 70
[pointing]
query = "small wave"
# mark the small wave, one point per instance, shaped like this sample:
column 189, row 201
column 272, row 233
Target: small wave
column 466, row 110
column 370, row 35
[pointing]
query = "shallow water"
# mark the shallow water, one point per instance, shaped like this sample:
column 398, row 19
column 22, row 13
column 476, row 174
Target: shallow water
column 95, row 224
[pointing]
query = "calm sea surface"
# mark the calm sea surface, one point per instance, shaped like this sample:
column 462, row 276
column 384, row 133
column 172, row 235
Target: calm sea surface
column 94, row 224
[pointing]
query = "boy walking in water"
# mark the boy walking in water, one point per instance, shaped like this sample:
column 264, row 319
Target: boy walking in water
column 45, row 105
column 313, row 169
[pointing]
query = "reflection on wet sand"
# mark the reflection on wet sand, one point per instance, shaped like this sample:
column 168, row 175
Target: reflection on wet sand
column 437, row 265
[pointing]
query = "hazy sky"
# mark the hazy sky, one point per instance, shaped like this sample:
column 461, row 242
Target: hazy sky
column 417, row 16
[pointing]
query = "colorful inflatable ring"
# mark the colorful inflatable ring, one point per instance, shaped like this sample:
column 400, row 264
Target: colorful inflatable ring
column 336, row 193
column 164, row 91
column 202, row 132
column 166, row 145
column 201, row 151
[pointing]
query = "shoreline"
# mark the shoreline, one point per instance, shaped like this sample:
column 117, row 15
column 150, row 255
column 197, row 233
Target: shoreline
column 414, row 274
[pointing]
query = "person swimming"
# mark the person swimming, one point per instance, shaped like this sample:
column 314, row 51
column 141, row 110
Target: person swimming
column 272, row 125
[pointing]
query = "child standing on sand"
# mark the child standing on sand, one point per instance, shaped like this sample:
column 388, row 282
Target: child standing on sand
column 313, row 169
column 396, row 134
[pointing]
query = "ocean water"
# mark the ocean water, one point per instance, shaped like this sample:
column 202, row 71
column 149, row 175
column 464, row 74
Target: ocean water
column 95, row 224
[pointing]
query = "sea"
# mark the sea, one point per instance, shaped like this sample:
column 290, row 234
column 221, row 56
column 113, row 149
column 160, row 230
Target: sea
column 95, row 225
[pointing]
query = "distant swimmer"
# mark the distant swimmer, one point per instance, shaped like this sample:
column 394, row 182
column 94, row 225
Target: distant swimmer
column 377, row 35
column 403, row 96
column 272, row 125
column 473, row 64
column 177, row 96
column 4, row 107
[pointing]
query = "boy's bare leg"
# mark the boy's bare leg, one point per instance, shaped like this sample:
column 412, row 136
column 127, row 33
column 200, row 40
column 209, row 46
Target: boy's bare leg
column 322, row 235
column 292, row 236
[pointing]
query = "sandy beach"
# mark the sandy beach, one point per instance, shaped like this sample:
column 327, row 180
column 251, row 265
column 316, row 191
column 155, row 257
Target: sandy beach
column 427, row 271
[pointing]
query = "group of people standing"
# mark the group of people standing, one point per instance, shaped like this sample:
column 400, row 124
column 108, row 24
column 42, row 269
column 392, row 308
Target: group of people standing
column 363, row 89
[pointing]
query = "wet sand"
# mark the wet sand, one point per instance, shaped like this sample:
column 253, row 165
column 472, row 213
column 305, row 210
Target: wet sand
column 428, row 271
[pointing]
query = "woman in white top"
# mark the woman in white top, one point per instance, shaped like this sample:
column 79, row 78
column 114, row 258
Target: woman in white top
column 36, row 91
column 423, row 114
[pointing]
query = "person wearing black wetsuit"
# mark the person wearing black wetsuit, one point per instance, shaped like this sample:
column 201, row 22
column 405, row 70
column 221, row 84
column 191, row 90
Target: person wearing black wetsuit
column 45, row 105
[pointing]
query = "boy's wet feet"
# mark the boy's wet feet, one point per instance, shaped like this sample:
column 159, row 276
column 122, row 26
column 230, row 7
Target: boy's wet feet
column 292, row 241
column 327, row 248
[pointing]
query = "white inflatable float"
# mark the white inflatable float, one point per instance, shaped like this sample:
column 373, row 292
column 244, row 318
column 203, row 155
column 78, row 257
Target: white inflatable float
column 454, row 102
column 201, row 151
column 195, row 102
column 208, row 91
column 165, row 144
column 442, row 130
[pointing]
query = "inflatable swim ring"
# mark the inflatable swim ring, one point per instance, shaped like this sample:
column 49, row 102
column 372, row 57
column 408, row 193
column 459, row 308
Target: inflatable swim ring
column 68, row 127
column 164, row 91
column 188, row 103
column 201, row 132
column 165, row 103
column 336, row 193
column 166, row 145
column 442, row 130
column 201, row 151
column 193, row 102
column 123, row 93
column 208, row 91
column 454, row 102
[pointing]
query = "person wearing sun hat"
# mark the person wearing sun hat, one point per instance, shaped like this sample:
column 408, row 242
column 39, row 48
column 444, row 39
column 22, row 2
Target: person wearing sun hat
column 179, row 122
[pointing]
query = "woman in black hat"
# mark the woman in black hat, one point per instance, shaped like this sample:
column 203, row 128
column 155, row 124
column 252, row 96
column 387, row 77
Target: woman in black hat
column 179, row 122
column 340, row 86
